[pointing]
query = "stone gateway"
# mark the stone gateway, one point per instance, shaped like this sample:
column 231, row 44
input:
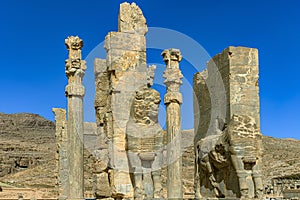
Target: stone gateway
column 134, row 157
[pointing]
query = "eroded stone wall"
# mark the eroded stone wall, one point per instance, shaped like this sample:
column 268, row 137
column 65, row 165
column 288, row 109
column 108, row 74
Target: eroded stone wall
column 228, row 86
column 226, row 93
column 117, row 79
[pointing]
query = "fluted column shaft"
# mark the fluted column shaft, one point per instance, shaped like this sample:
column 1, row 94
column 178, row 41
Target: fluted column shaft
column 173, row 100
column 75, row 69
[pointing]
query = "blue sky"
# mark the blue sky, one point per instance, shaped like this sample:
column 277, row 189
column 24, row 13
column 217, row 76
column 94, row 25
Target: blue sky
column 33, row 51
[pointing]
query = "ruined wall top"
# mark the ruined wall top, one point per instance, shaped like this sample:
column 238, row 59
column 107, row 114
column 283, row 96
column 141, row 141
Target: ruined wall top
column 131, row 19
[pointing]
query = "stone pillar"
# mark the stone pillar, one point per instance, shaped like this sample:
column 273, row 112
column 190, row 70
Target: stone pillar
column 173, row 100
column 227, row 113
column 75, row 69
column 127, row 72
column 61, row 153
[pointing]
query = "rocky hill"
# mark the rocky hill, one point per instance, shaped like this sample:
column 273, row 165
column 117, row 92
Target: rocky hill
column 26, row 141
column 27, row 154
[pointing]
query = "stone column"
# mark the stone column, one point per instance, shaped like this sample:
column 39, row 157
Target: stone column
column 61, row 153
column 173, row 100
column 75, row 69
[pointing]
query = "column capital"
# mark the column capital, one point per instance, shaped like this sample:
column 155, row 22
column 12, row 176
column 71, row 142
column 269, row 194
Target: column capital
column 173, row 97
column 172, row 57
column 75, row 66
column 75, row 90
column 73, row 43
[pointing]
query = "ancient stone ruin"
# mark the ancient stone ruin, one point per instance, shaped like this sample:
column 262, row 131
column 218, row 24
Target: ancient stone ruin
column 228, row 140
column 132, row 147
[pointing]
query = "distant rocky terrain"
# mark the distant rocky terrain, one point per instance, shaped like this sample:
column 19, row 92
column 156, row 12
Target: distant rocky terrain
column 27, row 154
column 27, row 141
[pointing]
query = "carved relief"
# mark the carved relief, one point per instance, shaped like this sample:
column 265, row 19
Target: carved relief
column 236, row 148
column 144, row 144
column 75, row 62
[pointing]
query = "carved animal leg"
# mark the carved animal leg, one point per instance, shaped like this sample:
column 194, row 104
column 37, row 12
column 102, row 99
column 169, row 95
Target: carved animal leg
column 197, row 173
column 158, row 190
column 197, row 187
column 139, row 193
column 212, row 179
column 257, row 178
column 215, row 185
column 244, row 190
column 241, row 173
column 148, row 182
column 156, row 175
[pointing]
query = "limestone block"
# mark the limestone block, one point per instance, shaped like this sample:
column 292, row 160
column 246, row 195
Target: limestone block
column 131, row 19
column 228, row 87
column 103, row 185
column 239, row 56
column 101, row 160
column 125, row 41
column 122, row 183
column 99, row 66
column 124, row 60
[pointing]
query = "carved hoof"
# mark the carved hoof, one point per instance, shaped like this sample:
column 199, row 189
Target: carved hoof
column 259, row 194
column 139, row 193
column 198, row 195
column 244, row 194
column 158, row 194
column 218, row 193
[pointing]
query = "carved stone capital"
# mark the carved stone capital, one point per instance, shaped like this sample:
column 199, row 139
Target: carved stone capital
column 172, row 57
column 75, row 90
column 75, row 67
column 173, row 97
column 74, row 43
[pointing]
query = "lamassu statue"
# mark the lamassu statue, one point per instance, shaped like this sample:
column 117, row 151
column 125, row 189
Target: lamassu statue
column 144, row 138
column 228, row 162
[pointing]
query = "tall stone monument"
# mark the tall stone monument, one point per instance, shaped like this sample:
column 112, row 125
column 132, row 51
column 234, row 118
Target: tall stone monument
column 117, row 79
column 173, row 101
column 227, row 126
column 75, row 69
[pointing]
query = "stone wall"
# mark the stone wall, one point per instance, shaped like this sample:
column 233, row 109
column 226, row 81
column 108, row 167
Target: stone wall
column 228, row 86
column 117, row 79
column 227, row 126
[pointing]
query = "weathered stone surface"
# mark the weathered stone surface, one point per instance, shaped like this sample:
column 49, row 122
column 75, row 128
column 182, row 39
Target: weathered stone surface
column 280, row 159
column 103, row 186
column 131, row 19
column 62, row 162
column 127, row 138
column 117, row 80
column 173, row 100
column 122, row 41
column 227, row 134
column 144, row 145
column 75, row 70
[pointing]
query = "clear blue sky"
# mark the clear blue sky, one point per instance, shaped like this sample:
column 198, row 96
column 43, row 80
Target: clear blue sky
column 33, row 52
